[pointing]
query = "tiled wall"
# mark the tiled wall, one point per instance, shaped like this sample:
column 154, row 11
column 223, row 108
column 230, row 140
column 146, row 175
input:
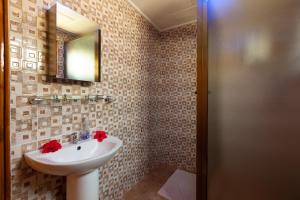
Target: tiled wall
column 129, row 43
column 173, row 99
column 152, row 76
column 61, row 38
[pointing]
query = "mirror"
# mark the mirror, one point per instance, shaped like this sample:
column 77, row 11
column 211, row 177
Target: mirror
column 74, row 45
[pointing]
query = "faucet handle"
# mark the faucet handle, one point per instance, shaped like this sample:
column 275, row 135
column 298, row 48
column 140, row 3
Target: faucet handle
column 74, row 138
column 85, row 135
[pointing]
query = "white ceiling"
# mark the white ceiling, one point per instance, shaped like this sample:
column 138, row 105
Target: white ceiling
column 73, row 22
column 167, row 14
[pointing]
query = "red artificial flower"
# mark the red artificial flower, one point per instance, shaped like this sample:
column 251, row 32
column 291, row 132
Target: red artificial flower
column 100, row 136
column 51, row 146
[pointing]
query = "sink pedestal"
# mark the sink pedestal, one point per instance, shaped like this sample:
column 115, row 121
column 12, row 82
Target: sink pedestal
column 83, row 186
column 79, row 162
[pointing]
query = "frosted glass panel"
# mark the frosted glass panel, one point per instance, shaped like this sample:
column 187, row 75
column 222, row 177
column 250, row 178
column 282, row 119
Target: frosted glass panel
column 254, row 100
column 81, row 58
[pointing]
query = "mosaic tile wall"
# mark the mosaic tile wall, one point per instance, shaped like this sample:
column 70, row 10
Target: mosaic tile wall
column 129, row 43
column 61, row 38
column 173, row 99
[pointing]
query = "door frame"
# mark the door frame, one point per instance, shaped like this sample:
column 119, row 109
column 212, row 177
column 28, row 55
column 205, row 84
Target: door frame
column 202, row 99
column 5, row 174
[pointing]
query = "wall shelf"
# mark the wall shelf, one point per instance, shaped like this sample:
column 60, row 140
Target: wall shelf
column 95, row 98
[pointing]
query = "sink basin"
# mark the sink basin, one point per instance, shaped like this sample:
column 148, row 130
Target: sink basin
column 75, row 158
column 79, row 162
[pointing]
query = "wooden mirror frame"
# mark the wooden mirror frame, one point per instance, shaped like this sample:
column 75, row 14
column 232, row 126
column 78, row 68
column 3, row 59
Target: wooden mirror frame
column 52, row 61
column 5, row 180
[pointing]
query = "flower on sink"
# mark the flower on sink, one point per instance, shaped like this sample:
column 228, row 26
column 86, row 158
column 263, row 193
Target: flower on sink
column 100, row 136
column 50, row 146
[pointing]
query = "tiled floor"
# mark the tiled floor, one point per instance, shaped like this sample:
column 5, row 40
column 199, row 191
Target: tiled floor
column 148, row 188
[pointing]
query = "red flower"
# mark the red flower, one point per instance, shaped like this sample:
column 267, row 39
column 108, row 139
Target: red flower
column 51, row 146
column 100, row 136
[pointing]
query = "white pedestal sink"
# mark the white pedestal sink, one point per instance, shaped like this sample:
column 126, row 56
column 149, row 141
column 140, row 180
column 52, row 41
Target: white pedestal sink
column 79, row 162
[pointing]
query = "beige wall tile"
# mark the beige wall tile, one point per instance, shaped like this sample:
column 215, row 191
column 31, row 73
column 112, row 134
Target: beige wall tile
column 148, row 88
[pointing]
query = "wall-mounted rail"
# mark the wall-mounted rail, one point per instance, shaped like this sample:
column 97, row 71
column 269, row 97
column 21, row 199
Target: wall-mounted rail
column 57, row 98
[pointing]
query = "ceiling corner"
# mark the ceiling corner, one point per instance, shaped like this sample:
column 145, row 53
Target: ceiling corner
column 144, row 15
column 166, row 14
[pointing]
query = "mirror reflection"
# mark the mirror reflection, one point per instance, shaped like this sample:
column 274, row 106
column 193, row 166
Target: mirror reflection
column 74, row 45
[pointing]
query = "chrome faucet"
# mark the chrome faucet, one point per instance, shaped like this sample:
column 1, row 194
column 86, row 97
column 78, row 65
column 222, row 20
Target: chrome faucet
column 83, row 135
column 74, row 138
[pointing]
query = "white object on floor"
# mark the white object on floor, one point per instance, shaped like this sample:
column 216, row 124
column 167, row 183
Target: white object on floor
column 180, row 186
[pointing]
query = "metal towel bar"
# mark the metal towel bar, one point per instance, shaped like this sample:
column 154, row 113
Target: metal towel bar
column 38, row 99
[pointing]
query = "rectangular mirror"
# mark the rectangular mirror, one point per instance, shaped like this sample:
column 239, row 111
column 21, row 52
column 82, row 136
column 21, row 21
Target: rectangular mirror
column 74, row 45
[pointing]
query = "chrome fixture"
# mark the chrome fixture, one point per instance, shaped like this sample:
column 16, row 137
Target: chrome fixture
column 74, row 138
column 109, row 99
column 65, row 98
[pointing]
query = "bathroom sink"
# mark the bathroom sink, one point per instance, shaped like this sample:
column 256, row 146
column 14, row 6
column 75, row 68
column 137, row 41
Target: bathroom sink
column 79, row 162
column 75, row 158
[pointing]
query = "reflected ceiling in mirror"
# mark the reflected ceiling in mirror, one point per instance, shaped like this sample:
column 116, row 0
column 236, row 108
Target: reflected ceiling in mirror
column 74, row 45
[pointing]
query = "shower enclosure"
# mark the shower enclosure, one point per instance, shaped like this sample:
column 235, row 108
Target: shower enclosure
column 254, row 100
